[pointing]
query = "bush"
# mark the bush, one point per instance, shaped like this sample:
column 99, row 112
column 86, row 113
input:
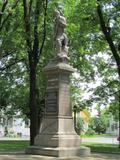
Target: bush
column 90, row 132
column 80, row 126
column 99, row 124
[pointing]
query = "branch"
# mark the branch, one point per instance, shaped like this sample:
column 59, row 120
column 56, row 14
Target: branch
column 3, row 9
column 108, row 36
column 27, row 66
column 114, row 93
column 27, row 26
column 36, row 34
column 30, row 7
column 5, row 20
column 10, row 65
column 6, row 54
column 44, row 27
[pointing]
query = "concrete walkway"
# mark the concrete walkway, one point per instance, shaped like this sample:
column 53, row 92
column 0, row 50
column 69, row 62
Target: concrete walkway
column 35, row 157
column 112, row 140
column 102, row 139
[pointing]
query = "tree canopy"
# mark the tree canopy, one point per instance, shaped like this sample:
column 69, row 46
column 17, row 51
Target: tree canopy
column 26, row 35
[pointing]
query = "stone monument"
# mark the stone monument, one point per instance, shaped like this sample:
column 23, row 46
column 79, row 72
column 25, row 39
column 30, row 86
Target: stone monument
column 57, row 136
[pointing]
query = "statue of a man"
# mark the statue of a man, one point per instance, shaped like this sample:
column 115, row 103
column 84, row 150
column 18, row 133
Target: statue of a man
column 60, row 38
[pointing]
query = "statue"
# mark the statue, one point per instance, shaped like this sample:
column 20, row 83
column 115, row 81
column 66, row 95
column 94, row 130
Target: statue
column 60, row 38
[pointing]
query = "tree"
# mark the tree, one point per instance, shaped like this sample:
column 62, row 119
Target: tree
column 34, row 51
column 13, row 51
column 4, row 5
column 106, row 29
column 110, row 36
column 112, row 108
column 87, row 49
column 99, row 124
column 8, row 28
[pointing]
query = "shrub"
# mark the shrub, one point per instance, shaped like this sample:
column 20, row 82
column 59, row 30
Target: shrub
column 99, row 124
column 90, row 132
column 80, row 126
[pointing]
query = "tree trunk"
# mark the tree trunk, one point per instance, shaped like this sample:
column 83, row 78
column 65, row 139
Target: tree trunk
column 75, row 124
column 33, row 104
column 34, row 52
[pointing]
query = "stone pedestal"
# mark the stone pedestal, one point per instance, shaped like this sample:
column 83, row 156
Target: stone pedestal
column 57, row 136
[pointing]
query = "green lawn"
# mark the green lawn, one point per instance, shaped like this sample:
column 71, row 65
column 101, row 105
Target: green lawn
column 13, row 145
column 102, row 147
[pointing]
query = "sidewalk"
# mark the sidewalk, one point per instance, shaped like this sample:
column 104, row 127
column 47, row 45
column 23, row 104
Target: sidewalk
column 112, row 140
column 14, row 138
column 36, row 157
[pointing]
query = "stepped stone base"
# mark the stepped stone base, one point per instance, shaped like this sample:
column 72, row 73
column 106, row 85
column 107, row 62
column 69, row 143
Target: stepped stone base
column 58, row 152
column 58, row 139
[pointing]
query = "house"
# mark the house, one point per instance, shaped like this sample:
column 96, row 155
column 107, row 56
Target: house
column 14, row 126
column 113, row 127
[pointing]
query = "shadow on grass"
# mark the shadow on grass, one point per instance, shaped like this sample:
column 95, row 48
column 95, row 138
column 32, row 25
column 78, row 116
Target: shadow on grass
column 102, row 147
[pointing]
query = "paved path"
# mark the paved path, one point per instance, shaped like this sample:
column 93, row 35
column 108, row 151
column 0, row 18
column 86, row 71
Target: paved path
column 35, row 157
column 112, row 140
column 14, row 138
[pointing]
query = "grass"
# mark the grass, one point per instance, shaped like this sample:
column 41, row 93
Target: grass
column 13, row 145
column 102, row 147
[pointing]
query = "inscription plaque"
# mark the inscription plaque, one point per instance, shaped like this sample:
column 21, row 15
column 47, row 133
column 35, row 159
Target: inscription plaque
column 51, row 101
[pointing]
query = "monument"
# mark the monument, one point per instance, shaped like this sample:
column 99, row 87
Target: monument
column 57, row 136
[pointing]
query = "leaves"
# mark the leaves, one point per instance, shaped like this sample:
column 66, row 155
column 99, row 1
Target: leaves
column 88, row 51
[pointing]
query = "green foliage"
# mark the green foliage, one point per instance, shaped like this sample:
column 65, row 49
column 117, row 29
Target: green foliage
column 114, row 106
column 14, row 70
column 90, row 132
column 88, row 51
column 77, row 102
column 13, row 145
column 79, row 126
column 99, row 124
column 103, row 148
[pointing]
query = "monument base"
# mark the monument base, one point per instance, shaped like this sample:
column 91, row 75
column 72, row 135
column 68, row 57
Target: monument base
column 58, row 152
column 57, row 136
column 58, row 139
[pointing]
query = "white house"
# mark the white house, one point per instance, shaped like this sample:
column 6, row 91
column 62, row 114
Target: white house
column 113, row 127
column 13, row 126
